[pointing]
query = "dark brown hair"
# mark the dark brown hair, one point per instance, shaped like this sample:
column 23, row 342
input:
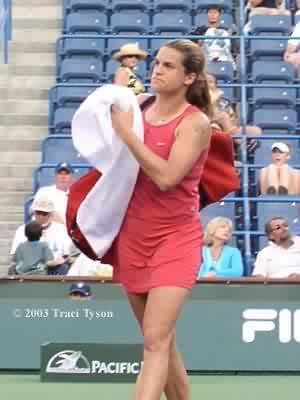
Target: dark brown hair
column 33, row 231
column 194, row 62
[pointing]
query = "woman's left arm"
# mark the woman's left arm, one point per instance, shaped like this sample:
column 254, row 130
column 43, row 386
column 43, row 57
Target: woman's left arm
column 192, row 139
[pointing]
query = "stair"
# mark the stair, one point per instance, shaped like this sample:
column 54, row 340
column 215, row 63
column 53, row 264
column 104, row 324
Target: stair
column 24, row 85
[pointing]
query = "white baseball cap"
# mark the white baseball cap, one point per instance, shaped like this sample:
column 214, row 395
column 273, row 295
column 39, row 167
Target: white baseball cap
column 282, row 147
column 42, row 204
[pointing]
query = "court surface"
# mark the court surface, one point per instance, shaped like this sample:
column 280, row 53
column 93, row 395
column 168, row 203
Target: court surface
column 206, row 387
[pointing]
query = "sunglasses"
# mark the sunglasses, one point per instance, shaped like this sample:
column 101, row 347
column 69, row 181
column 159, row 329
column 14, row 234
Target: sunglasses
column 279, row 226
column 43, row 213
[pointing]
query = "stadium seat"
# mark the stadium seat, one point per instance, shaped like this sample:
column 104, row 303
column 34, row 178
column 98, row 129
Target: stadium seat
column 128, row 5
column 114, row 44
column 272, row 72
column 62, row 120
column 263, row 152
column 72, row 96
column 226, row 21
column 83, row 5
column 224, row 208
column 134, row 23
column 77, row 23
column 266, row 97
column 44, row 175
column 60, row 147
column 176, row 24
column 203, row 5
column 288, row 210
column 267, row 25
column 81, row 70
column 81, row 47
column 223, row 71
column 172, row 5
column 276, row 121
column 267, row 49
column 112, row 66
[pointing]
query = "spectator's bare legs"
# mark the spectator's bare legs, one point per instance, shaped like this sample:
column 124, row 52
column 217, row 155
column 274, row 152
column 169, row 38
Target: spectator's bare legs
column 287, row 179
column 278, row 177
column 177, row 385
column 268, row 11
column 269, row 178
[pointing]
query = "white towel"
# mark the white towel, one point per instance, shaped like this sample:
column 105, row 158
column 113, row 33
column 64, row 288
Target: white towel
column 101, row 214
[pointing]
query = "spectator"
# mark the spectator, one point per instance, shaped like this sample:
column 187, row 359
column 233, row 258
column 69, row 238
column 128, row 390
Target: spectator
column 279, row 177
column 53, row 233
column 292, row 55
column 281, row 258
column 33, row 256
column 129, row 56
column 219, row 259
column 215, row 49
column 58, row 193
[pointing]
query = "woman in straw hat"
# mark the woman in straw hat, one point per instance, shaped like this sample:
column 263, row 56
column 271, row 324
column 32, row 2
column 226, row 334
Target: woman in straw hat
column 129, row 56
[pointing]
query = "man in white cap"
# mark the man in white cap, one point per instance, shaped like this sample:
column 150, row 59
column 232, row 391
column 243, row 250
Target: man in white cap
column 58, row 193
column 54, row 234
column 279, row 177
column 129, row 56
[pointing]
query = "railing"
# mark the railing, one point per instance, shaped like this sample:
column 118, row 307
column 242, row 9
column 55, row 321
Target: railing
column 5, row 26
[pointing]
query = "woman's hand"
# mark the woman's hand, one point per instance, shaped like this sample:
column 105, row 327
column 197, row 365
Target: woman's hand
column 122, row 121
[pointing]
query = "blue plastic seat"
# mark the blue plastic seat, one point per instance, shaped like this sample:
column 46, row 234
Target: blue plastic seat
column 223, row 71
column 114, row 44
column 289, row 210
column 134, row 23
column 156, row 44
column 225, row 22
column 44, row 175
column 276, row 120
column 272, row 72
column 62, row 120
column 63, row 96
column 60, row 147
column 176, row 24
column 128, row 5
column 81, row 70
column 112, row 66
column 77, row 23
column 82, row 5
column 203, row 5
column 265, row 97
column 267, row 25
column 267, row 49
column 172, row 5
column 81, row 47
column 263, row 153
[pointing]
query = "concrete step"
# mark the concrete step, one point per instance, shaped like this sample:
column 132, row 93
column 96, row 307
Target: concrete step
column 5, row 245
column 23, row 119
column 32, row 59
column 8, row 226
column 24, row 107
column 36, row 35
column 15, row 184
column 37, row 3
column 40, row 12
column 13, row 217
column 17, row 171
column 17, row 198
column 32, row 47
column 33, row 23
column 20, row 145
column 23, row 132
column 5, row 260
column 27, row 82
column 17, row 157
column 27, row 70
column 24, row 94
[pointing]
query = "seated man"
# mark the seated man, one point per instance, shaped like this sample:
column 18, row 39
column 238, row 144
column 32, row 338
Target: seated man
column 281, row 258
column 215, row 49
column 292, row 55
column 54, row 234
column 58, row 193
column 279, row 177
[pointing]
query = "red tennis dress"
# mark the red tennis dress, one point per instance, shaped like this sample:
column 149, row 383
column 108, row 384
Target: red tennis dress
column 160, row 241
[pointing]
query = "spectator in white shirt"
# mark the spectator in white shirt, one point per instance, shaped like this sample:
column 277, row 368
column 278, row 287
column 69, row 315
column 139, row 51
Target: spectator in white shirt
column 54, row 234
column 281, row 258
column 58, row 193
column 292, row 54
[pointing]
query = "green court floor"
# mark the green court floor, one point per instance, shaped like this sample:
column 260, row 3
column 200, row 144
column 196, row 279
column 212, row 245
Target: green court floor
column 204, row 387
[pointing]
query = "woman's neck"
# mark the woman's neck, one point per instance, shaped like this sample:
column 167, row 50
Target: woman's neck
column 169, row 105
column 217, row 244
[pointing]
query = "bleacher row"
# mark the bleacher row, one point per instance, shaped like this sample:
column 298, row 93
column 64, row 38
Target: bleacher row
column 84, row 63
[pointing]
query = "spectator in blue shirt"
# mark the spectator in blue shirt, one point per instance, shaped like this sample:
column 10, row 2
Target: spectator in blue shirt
column 219, row 259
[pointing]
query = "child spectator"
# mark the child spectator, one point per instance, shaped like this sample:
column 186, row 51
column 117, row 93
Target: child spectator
column 279, row 177
column 33, row 256
column 219, row 259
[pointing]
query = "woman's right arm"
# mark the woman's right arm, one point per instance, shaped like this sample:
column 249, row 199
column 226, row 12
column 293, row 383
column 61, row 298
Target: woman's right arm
column 121, row 77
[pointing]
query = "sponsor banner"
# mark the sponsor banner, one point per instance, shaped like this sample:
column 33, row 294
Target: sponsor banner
column 90, row 362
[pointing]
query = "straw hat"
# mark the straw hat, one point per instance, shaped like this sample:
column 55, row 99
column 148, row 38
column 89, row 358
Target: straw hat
column 130, row 49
